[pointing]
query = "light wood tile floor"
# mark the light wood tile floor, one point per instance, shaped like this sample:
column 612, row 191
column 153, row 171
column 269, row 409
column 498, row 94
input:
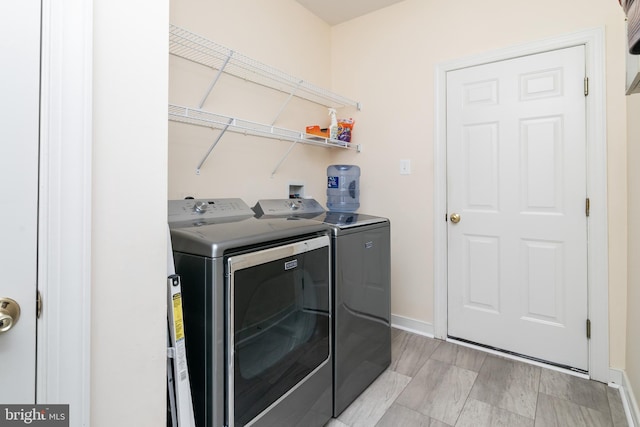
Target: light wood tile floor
column 432, row 383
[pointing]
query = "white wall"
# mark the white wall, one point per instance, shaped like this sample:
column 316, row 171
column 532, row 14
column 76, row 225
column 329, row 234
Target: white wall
column 128, row 329
column 388, row 57
column 281, row 34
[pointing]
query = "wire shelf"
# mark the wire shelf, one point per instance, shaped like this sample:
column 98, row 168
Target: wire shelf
column 190, row 46
column 203, row 118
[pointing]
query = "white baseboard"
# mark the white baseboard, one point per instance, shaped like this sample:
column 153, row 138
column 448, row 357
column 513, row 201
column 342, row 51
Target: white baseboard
column 620, row 380
column 615, row 377
column 412, row 325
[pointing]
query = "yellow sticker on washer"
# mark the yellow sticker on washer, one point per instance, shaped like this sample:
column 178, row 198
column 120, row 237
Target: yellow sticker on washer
column 177, row 316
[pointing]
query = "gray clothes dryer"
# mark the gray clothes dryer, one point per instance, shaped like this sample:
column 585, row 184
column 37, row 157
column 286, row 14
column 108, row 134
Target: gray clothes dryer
column 361, row 258
column 256, row 298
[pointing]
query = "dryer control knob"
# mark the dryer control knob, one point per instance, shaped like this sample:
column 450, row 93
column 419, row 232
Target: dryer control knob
column 293, row 206
column 200, row 207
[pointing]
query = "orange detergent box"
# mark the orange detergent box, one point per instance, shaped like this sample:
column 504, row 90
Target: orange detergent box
column 315, row 130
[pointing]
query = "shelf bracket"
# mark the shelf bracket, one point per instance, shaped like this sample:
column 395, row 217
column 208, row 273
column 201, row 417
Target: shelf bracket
column 284, row 105
column 283, row 158
column 206, row 156
column 215, row 79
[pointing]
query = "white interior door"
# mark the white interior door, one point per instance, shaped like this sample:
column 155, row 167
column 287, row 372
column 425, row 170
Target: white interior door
column 19, row 128
column 516, row 176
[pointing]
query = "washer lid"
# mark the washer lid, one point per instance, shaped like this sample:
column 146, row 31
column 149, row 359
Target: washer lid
column 311, row 209
column 349, row 219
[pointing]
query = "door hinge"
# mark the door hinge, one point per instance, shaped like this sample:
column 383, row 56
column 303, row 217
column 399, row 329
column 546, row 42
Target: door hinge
column 588, row 329
column 587, row 206
column 38, row 305
column 586, row 86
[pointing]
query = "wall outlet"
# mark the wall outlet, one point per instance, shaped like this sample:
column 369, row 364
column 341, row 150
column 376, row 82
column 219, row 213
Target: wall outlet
column 405, row 167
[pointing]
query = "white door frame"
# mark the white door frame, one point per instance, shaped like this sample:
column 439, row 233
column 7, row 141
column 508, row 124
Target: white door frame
column 64, row 241
column 598, row 267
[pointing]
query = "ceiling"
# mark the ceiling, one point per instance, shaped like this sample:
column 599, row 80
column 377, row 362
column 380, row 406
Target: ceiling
column 337, row 11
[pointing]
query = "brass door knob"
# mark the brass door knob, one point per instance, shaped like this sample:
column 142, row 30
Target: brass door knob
column 455, row 218
column 9, row 314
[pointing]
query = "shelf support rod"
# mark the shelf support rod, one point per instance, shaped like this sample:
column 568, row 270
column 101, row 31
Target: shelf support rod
column 215, row 79
column 206, row 156
column 283, row 158
column 284, row 105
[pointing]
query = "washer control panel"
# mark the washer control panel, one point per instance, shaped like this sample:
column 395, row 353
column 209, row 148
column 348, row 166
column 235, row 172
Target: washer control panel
column 207, row 209
column 283, row 207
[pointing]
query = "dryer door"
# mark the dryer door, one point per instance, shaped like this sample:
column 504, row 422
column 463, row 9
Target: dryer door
column 278, row 327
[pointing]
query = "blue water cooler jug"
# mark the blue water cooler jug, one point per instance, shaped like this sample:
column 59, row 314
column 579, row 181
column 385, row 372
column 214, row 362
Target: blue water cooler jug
column 343, row 188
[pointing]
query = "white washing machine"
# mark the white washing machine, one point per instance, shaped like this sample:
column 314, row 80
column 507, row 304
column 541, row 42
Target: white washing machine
column 361, row 258
column 257, row 314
